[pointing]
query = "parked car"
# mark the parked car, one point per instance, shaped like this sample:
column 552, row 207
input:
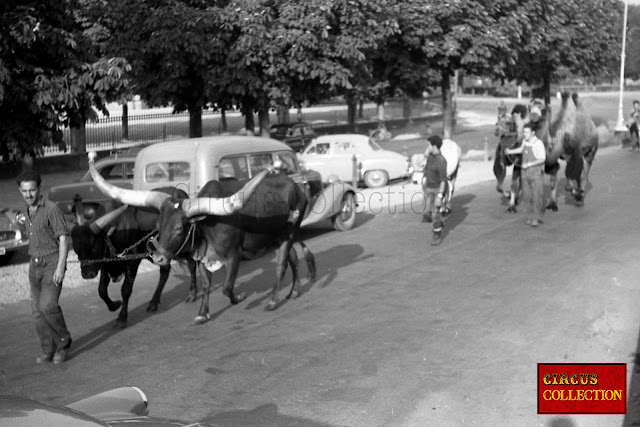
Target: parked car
column 333, row 157
column 117, row 169
column 190, row 163
column 295, row 135
column 13, row 236
column 118, row 407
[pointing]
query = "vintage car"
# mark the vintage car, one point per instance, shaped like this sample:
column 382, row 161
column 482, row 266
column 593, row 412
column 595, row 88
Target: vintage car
column 117, row 169
column 295, row 135
column 12, row 233
column 333, row 157
column 118, row 407
column 189, row 164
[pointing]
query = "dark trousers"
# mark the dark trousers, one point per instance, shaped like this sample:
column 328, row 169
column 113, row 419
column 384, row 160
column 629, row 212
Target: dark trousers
column 633, row 131
column 47, row 314
column 430, row 195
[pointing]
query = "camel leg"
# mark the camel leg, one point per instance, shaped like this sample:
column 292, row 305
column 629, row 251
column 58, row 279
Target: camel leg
column 293, row 263
column 516, row 187
column 499, row 169
column 311, row 262
column 552, row 171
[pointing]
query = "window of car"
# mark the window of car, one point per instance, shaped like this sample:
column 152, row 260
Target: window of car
column 341, row 147
column 112, row 171
column 288, row 158
column 320, row 148
column 234, row 167
column 296, row 131
column 258, row 162
column 374, row 145
column 167, row 172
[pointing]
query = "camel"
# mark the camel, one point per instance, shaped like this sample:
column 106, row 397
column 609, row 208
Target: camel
column 570, row 135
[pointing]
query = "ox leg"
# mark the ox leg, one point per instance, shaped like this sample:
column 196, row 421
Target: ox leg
column 103, row 291
column 205, row 277
column 155, row 300
column 232, row 266
column 446, row 206
column 553, row 183
column 311, row 262
column 193, row 285
column 499, row 169
column 281, row 269
column 516, row 188
column 126, row 291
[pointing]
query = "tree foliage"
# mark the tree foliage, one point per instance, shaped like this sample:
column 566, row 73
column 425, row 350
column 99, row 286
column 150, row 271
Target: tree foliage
column 49, row 75
column 561, row 37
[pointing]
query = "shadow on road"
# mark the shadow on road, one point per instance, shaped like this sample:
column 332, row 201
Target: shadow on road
column 264, row 415
column 136, row 315
column 458, row 212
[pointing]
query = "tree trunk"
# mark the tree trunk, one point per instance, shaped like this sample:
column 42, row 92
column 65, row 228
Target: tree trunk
column 546, row 88
column 406, row 108
column 263, row 119
column 125, row 121
column 351, row 112
column 361, row 109
column 447, row 110
column 195, row 122
column 380, row 109
column 249, row 124
column 78, row 137
column 223, row 120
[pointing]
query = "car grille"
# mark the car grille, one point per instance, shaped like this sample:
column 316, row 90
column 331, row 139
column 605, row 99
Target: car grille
column 7, row 235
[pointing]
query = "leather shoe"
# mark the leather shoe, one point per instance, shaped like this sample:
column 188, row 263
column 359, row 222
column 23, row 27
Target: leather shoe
column 44, row 358
column 61, row 355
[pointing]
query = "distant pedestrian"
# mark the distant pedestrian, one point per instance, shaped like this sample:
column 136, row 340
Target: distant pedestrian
column 48, row 248
column 434, row 185
column 533, row 158
column 634, row 120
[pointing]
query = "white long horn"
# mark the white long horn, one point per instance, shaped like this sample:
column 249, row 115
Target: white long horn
column 106, row 219
column 223, row 206
column 139, row 198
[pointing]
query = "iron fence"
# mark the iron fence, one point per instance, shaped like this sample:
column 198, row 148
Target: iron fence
column 108, row 133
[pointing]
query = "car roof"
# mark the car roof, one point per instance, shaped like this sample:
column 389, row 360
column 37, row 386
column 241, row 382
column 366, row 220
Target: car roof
column 354, row 137
column 224, row 145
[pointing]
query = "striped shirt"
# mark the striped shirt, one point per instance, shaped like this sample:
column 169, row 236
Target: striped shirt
column 44, row 228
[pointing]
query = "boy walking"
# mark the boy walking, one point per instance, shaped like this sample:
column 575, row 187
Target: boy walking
column 434, row 184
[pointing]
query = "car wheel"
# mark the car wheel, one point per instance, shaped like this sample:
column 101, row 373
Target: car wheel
column 346, row 218
column 6, row 258
column 376, row 178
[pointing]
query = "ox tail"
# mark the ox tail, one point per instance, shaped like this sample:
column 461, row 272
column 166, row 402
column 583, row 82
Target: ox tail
column 310, row 260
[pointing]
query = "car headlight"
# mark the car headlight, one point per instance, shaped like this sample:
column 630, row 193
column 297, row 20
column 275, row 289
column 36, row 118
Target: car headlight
column 20, row 218
column 89, row 213
column 18, row 235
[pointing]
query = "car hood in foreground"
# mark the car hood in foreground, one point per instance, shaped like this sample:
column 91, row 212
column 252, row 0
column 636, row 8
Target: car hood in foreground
column 86, row 190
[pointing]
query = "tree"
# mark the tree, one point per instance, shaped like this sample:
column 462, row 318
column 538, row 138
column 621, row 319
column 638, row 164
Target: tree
column 48, row 76
column 566, row 36
column 632, row 61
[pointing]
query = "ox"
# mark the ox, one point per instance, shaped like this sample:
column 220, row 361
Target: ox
column 570, row 135
column 225, row 222
column 111, row 234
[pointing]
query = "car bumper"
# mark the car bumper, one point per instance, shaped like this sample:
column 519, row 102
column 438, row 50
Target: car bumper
column 12, row 246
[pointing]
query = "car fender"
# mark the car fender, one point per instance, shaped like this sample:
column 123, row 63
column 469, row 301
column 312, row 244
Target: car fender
column 114, row 404
column 327, row 203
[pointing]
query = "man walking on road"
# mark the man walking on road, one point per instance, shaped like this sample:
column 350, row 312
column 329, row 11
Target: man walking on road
column 434, row 184
column 48, row 248
column 533, row 158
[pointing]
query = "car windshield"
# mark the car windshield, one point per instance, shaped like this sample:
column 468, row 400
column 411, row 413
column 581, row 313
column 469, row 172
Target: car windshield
column 374, row 145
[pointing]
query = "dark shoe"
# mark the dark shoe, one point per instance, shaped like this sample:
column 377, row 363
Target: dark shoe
column 426, row 218
column 61, row 355
column 437, row 239
column 45, row 358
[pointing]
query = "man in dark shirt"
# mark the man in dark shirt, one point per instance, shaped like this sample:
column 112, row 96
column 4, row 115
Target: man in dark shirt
column 434, row 184
column 48, row 247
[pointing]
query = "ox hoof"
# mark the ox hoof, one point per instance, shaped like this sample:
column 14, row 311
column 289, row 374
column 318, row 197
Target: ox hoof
column 446, row 212
column 293, row 295
column 512, row 209
column 552, row 206
column 580, row 202
column 192, row 297
column 152, row 307
column 120, row 324
column 271, row 305
column 201, row 319
column 114, row 305
column 499, row 189
column 236, row 298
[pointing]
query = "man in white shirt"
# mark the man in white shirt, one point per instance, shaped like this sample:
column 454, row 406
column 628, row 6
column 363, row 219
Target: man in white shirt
column 533, row 158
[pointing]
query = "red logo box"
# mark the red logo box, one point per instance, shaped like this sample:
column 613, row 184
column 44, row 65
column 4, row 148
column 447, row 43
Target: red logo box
column 582, row 388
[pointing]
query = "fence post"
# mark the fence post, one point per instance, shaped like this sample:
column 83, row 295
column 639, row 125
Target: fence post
column 164, row 132
column 113, row 140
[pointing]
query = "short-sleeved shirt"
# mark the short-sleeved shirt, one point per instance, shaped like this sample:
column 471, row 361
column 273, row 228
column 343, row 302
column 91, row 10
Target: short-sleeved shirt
column 435, row 170
column 44, row 228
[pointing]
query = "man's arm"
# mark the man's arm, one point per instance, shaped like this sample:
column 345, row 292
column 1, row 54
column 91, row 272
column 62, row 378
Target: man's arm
column 539, row 153
column 58, row 275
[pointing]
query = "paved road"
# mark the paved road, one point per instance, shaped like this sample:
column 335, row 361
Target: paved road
column 393, row 332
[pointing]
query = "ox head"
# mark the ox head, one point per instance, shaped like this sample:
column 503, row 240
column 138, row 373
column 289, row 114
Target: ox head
column 89, row 243
column 176, row 220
